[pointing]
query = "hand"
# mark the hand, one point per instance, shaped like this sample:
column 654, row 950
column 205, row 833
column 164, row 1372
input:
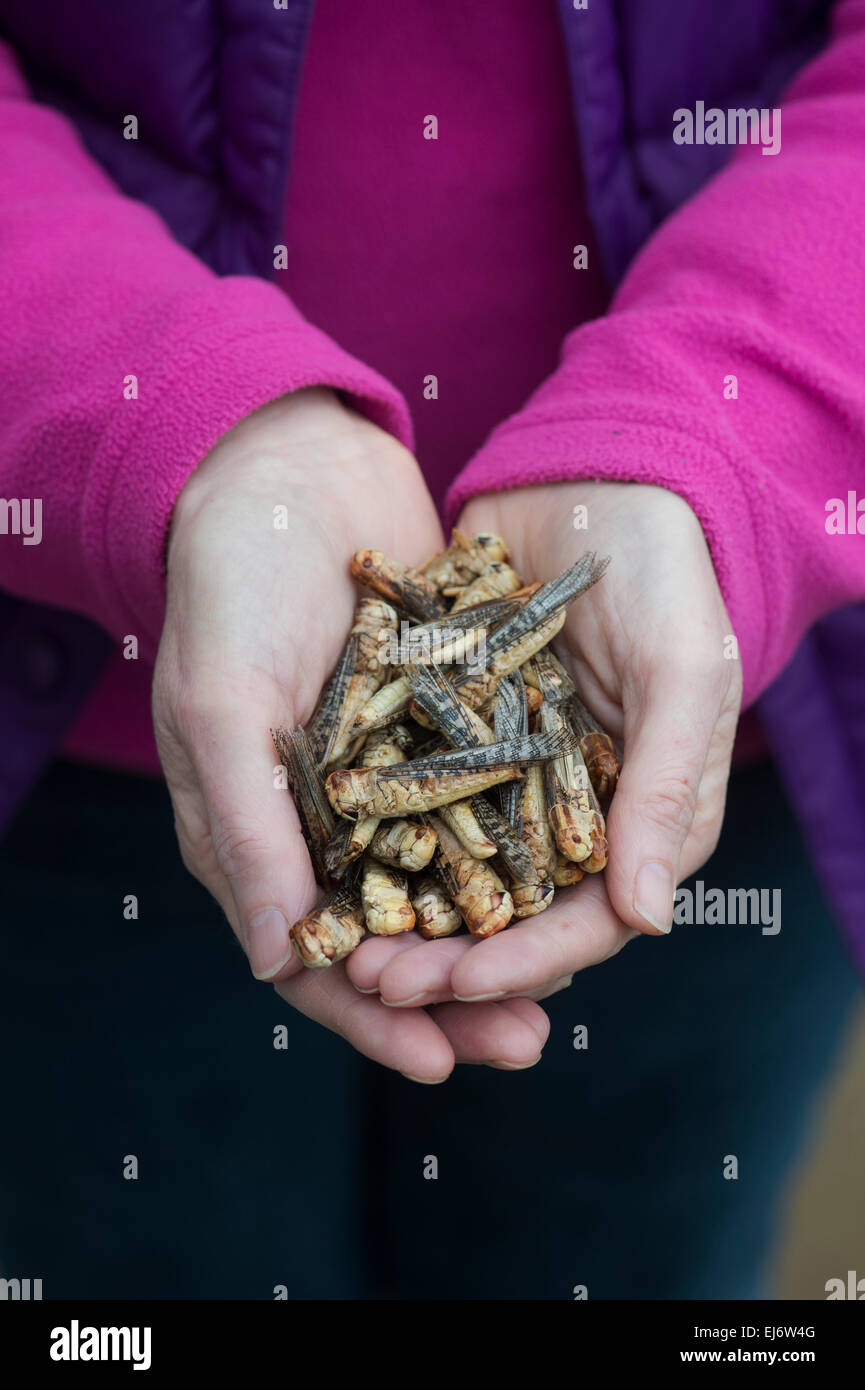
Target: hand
column 255, row 621
column 646, row 648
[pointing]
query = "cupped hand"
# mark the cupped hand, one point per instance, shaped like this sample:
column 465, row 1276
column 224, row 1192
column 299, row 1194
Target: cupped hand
column 649, row 648
column 259, row 606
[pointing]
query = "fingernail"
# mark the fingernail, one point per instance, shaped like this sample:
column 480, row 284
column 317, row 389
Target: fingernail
column 268, row 943
column 653, row 895
column 366, row 991
column 563, row 982
column 425, row 1080
column 401, row 1003
column 480, row 998
column 518, row 1066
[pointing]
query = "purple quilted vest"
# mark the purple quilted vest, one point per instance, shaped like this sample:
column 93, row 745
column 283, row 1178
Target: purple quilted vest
column 214, row 87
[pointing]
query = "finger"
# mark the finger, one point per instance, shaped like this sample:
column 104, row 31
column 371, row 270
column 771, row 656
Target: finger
column 424, row 975
column 668, row 732
column 365, row 964
column 577, row 931
column 412, row 975
column 385, row 951
column 255, row 837
column 408, row 972
column 543, row 991
column 537, row 1019
column 493, row 1034
column 196, row 846
column 443, row 993
column 408, row 1041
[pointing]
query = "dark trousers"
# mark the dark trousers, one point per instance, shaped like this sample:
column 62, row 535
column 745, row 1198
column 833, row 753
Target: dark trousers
column 304, row 1167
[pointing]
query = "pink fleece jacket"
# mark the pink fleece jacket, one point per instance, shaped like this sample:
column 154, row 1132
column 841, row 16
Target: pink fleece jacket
column 760, row 277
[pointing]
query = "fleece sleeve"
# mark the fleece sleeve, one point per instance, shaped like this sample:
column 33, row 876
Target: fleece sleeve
column 94, row 292
column 730, row 369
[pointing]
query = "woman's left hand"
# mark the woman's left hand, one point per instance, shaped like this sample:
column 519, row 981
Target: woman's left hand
column 650, row 650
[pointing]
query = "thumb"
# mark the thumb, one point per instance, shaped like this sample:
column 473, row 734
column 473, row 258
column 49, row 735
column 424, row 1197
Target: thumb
column 667, row 738
column 258, row 868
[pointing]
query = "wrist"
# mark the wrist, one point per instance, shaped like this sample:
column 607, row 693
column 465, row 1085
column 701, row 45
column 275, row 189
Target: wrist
column 257, row 451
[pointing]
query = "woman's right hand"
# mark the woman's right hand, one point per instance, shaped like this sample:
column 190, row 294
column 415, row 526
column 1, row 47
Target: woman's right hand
column 255, row 621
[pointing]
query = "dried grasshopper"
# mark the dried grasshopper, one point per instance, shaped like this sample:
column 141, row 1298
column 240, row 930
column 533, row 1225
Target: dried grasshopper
column 547, row 674
column 420, row 716
column 479, row 686
column 574, row 814
column 374, row 625
column 557, row 594
column 440, row 644
column 511, row 721
column 330, row 932
column 403, row 844
column 534, row 893
column 388, row 705
column 453, row 636
column 460, row 819
column 596, row 747
column 597, row 860
column 322, row 724
column 512, row 793
column 479, row 826
column 566, row 871
column 513, row 852
column 464, row 559
column 358, row 674
column 438, row 699
column 407, row 789
column 484, row 831
column 348, row 842
column 345, row 846
column 496, row 581
column 435, row 914
column 384, row 894
column 539, row 619
column 407, row 588
column 316, row 817
column 476, row 889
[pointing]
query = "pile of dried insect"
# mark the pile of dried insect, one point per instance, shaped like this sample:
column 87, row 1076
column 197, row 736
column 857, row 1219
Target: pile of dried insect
column 450, row 773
